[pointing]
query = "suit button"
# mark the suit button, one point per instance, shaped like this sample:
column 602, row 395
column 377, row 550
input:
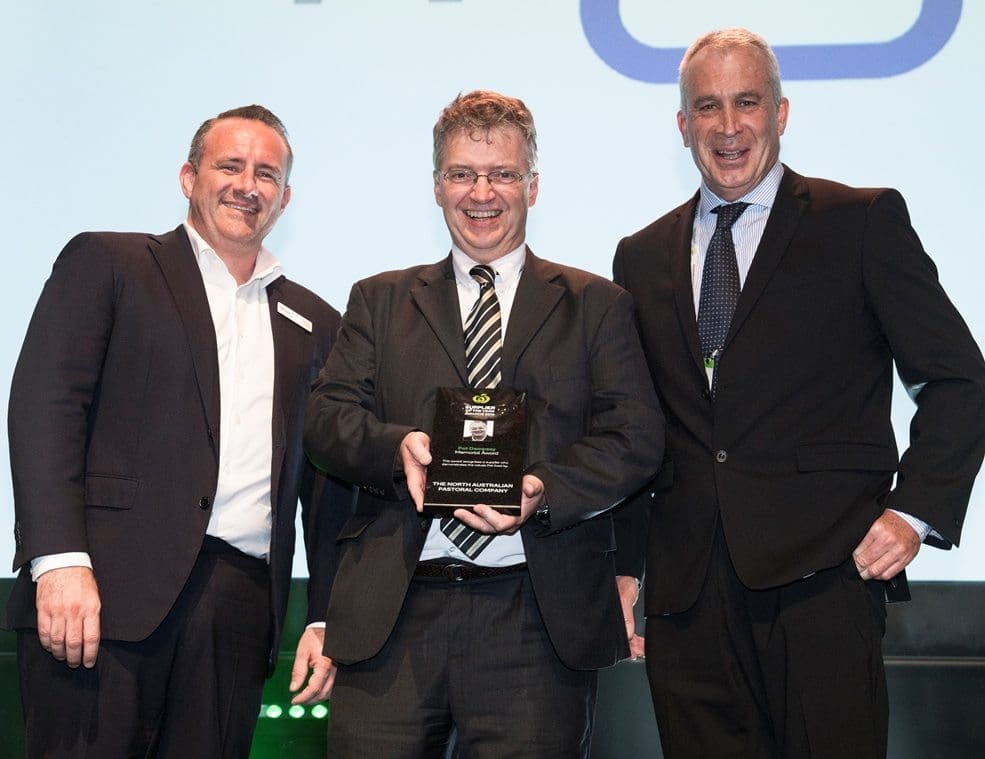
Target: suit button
column 721, row 457
column 706, row 394
column 204, row 502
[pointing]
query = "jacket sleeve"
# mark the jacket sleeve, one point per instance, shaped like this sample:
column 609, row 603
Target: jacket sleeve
column 51, row 397
column 326, row 504
column 624, row 443
column 343, row 434
column 939, row 364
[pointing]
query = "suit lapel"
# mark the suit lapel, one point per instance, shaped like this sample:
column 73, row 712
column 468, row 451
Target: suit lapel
column 680, row 270
column 537, row 296
column 436, row 295
column 792, row 198
column 177, row 262
column 292, row 352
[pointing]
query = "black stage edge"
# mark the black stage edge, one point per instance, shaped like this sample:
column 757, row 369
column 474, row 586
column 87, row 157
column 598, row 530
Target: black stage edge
column 935, row 660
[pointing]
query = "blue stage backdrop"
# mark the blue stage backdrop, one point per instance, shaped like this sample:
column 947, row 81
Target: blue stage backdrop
column 101, row 98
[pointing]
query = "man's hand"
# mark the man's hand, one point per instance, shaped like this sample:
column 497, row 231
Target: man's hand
column 309, row 658
column 68, row 615
column 629, row 593
column 888, row 546
column 486, row 519
column 415, row 453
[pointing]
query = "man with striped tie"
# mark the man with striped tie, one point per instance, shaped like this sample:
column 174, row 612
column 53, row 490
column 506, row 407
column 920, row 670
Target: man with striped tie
column 483, row 626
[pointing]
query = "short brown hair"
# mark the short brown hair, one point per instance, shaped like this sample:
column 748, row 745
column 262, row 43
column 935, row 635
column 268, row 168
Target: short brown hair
column 480, row 111
column 252, row 112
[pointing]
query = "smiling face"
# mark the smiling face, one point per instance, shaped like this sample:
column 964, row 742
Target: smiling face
column 731, row 123
column 486, row 221
column 239, row 187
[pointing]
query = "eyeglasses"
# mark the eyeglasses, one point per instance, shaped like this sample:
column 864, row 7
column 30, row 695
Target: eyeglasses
column 498, row 177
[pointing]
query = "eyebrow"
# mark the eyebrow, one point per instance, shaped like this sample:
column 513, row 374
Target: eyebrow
column 732, row 96
column 242, row 162
column 498, row 167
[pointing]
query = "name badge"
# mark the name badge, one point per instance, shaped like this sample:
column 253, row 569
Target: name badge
column 294, row 316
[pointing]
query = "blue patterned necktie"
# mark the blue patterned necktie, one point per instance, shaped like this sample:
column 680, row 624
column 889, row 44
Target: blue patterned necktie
column 719, row 288
column 483, row 355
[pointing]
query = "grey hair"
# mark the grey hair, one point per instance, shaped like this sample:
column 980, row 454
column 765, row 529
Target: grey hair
column 725, row 40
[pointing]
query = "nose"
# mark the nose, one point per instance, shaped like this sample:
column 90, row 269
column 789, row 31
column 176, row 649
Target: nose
column 482, row 190
column 246, row 184
column 730, row 120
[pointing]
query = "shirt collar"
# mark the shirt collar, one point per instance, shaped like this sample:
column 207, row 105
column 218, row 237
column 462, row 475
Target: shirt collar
column 763, row 194
column 508, row 268
column 266, row 269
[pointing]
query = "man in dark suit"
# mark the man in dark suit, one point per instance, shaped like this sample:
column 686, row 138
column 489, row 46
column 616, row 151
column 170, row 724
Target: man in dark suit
column 501, row 646
column 155, row 440
column 776, row 529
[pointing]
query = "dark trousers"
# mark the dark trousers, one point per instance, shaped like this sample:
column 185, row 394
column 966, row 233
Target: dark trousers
column 470, row 658
column 785, row 673
column 192, row 689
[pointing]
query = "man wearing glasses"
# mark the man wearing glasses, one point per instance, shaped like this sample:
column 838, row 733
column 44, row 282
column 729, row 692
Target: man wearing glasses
column 499, row 646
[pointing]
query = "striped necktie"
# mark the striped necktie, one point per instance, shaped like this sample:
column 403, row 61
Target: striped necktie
column 483, row 355
column 484, row 332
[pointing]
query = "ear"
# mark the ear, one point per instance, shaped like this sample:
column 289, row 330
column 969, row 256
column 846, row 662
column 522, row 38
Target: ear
column 187, row 178
column 682, row 126
column 437, row 187
column 532, row 192
column 285, row 198
column 781, row 115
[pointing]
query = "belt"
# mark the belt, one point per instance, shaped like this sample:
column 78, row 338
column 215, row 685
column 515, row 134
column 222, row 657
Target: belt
column 218, row 546
column 461, row 572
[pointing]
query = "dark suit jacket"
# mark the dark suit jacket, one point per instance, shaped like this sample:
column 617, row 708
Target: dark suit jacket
column 595, row 436
column 797, row 452
column 114, row 428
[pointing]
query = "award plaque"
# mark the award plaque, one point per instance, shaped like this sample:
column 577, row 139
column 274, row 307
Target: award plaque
column 478, row 445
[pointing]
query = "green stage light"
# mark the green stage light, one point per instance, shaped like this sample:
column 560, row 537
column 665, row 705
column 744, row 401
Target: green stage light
column 296, row 711
column 319, row 711
column 273, row 711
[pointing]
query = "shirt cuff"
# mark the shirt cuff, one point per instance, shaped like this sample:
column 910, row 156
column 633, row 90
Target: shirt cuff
column 921, row 528
column 46, row 563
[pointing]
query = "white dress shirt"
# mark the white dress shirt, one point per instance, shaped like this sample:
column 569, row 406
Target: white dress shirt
column 241, row 512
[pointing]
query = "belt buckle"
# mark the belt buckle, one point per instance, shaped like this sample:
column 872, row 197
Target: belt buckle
column 454, row 572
